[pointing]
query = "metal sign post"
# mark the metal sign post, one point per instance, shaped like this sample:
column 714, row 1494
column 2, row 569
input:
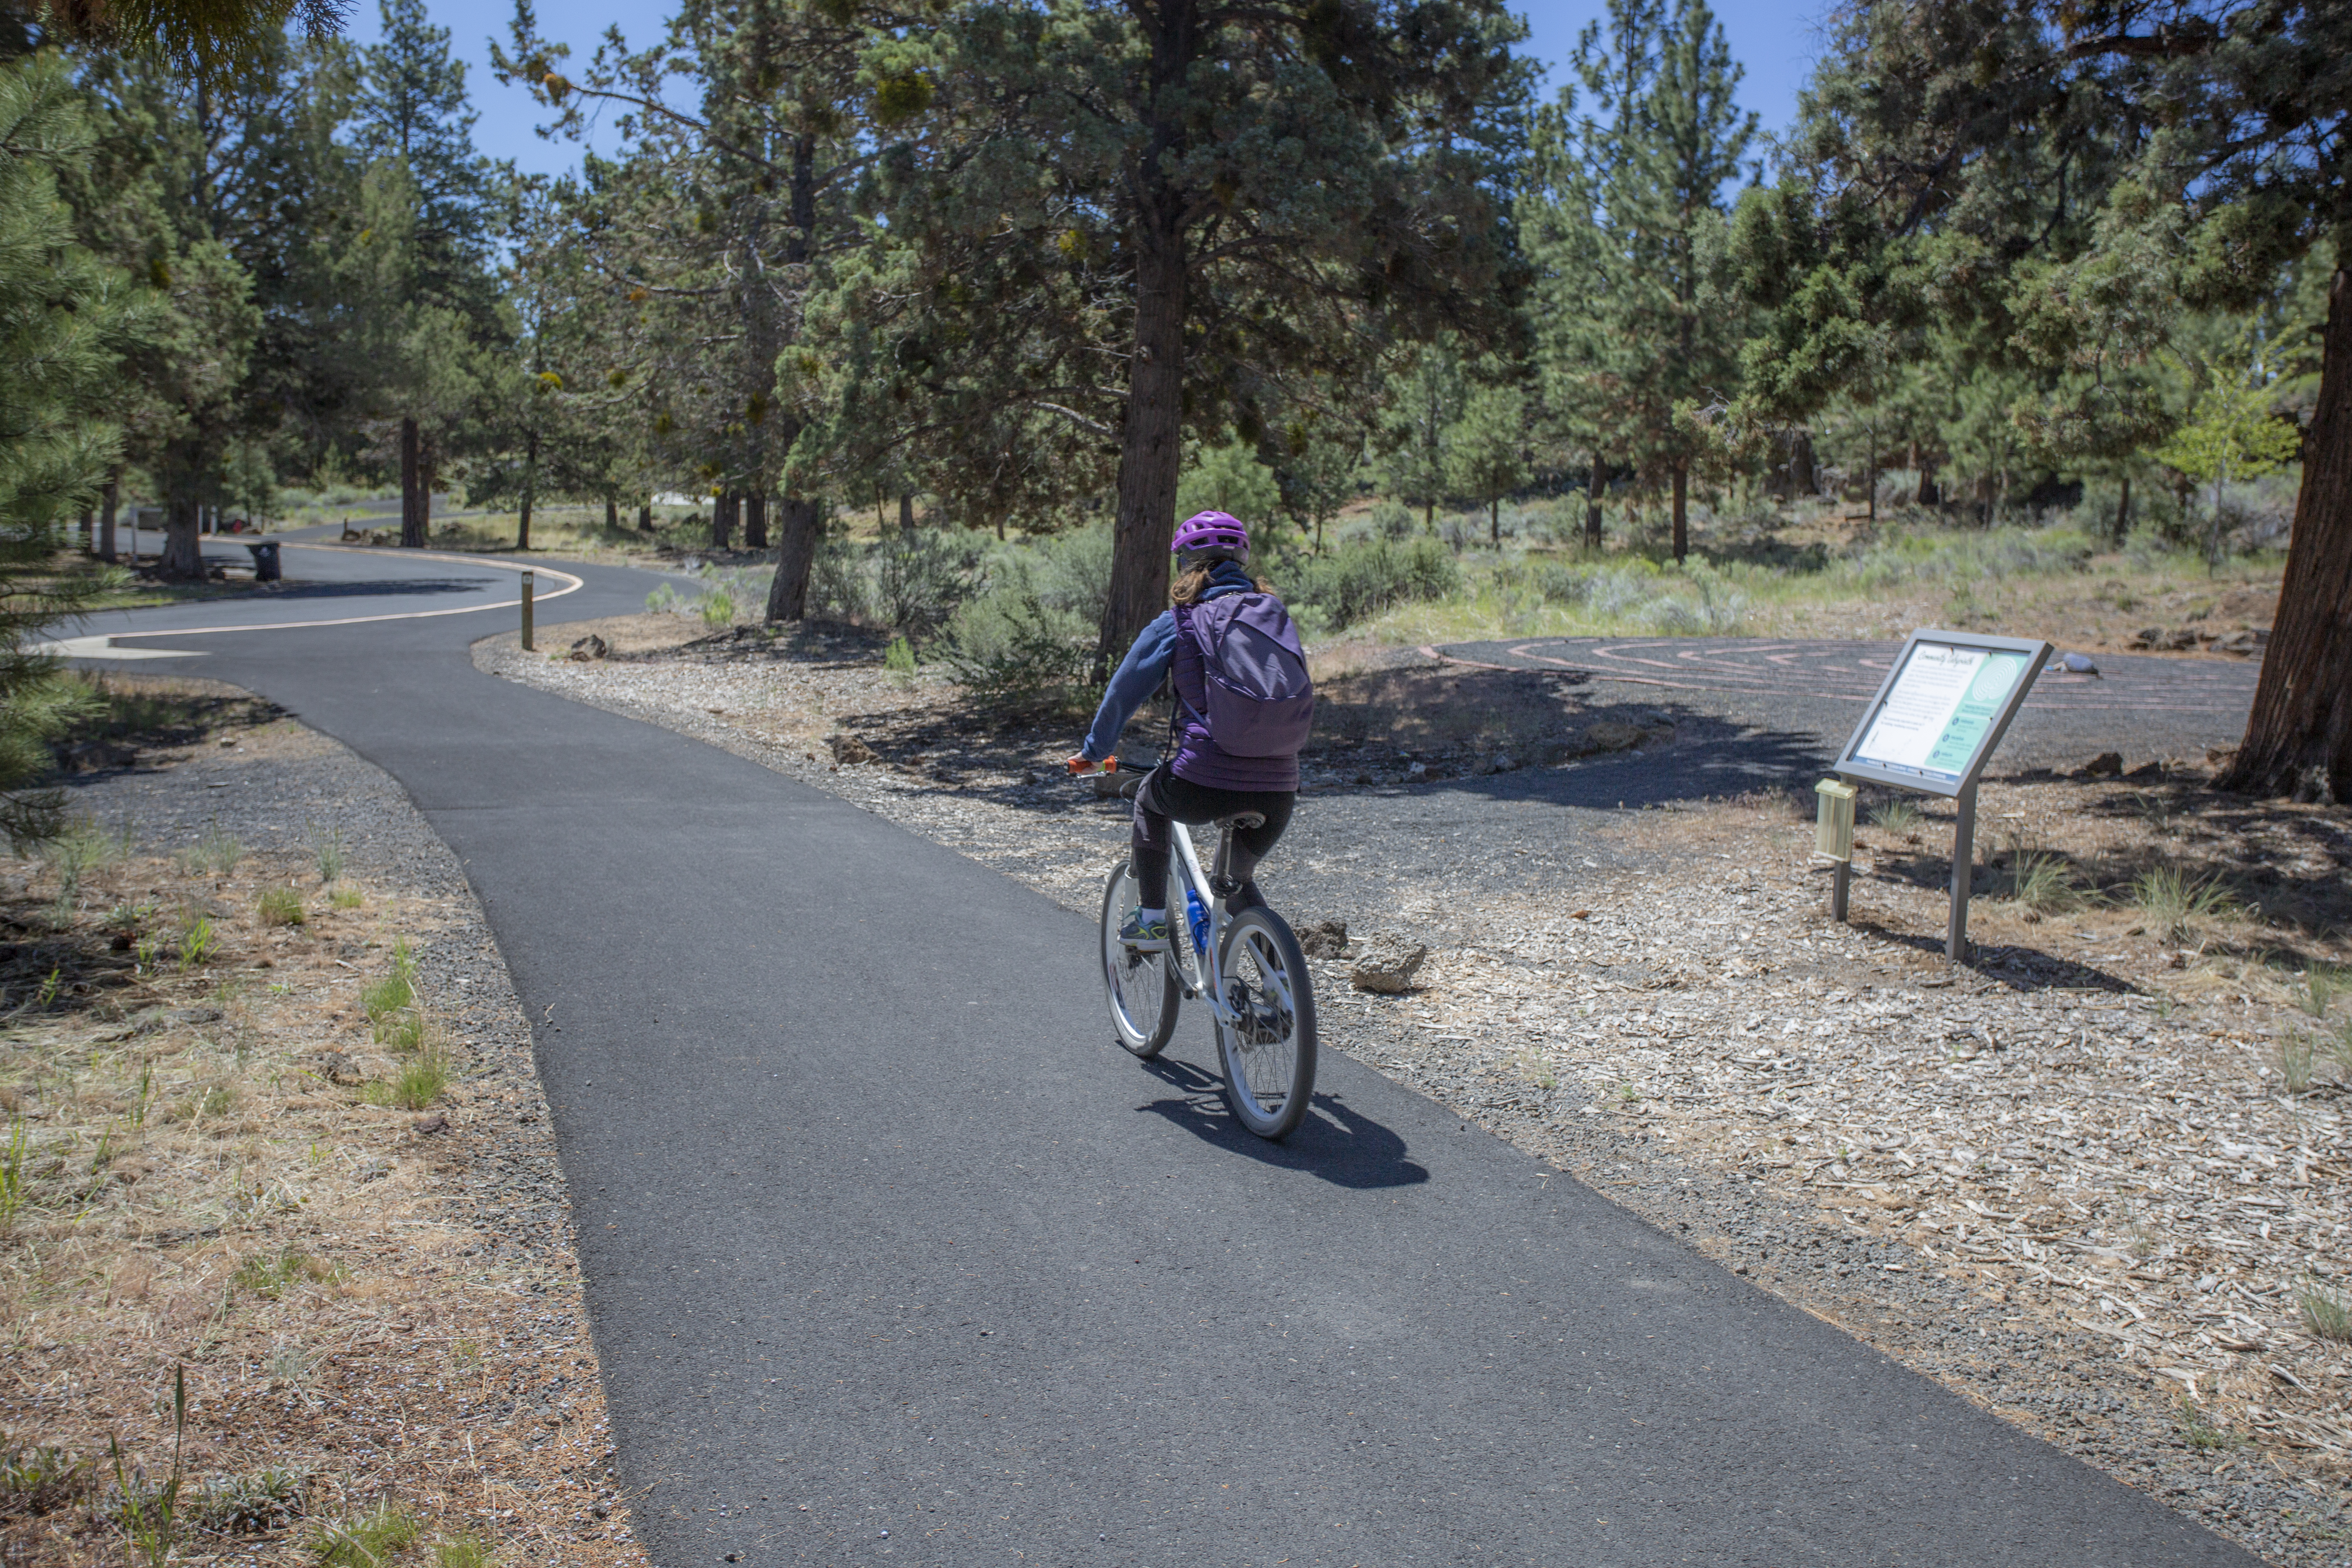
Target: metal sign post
column 1938, row 716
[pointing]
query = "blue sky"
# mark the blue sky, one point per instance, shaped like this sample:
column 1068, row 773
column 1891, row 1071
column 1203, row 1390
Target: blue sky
column 1775, row 42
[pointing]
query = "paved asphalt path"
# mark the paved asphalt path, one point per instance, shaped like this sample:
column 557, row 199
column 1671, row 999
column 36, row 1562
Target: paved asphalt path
column 892, row 1255
column 2142, row 707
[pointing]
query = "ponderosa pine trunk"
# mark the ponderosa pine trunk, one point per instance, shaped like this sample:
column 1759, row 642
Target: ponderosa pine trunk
column 1151, row 442
column 2123, row 513
column 755, row 522
column 1592, row 503
column 110, row 500
column 723, row 520
column 2298, row 738
column 905, row 511
column 184, row 554
column 612, row 513
column 411, row 480
column 646, row 517
column 800, row 527
column 1682, row 512
column 529, row 490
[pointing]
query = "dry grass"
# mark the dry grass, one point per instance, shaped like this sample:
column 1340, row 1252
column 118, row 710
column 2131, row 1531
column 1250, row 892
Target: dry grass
column 224, row 1261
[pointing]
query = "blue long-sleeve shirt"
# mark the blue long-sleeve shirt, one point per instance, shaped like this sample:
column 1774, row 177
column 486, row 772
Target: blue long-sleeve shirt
column 1146, row 665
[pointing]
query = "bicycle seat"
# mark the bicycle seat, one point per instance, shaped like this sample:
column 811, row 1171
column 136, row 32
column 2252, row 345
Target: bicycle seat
column 1243, row 820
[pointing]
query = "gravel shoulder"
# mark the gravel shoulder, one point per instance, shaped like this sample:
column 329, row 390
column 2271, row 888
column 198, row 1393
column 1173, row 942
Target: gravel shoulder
column 2096, row 1181
column 231, row 1175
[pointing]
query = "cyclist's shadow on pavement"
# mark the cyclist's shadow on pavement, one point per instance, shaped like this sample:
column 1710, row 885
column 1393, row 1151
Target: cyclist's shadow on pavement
column 1333, row 1142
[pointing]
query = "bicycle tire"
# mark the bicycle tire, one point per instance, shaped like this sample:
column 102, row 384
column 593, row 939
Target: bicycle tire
column 1270, row 1075
column 1141, row 988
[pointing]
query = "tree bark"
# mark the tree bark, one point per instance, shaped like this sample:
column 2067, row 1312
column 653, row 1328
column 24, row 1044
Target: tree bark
column 2299, row 737
column 109, row 500
column 905, row 511
column 800, row 527
column 2123, row 512
column 1681, row 514
column 1494, row 521
column 723, row 520
column 1592, row 503
column 411, row 498
column 646, row 517
column 529, row 490
column 612, row 512
column 183, row 557
column 755, row 522
column 1927, row 493
column 1151, row 445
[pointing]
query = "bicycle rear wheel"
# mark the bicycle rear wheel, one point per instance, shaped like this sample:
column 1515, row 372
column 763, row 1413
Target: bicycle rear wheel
column 1268, row 1056
column 1141, row 987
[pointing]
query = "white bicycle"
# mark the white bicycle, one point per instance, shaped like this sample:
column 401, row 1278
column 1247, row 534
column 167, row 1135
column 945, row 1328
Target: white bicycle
column 1245, row 964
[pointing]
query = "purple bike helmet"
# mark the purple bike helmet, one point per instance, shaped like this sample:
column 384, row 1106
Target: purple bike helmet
column 1211, row 531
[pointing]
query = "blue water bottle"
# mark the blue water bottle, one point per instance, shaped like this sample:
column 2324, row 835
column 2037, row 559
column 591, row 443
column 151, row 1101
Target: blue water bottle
column 1197, row 914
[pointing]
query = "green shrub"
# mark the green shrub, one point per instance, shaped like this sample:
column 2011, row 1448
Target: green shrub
column 394, row 990
column 1017, row 653
column 718, row 608
column 281, row 907
column 1357, row 582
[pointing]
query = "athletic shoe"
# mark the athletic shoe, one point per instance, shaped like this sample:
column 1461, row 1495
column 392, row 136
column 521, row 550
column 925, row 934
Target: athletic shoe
column 1139, row 935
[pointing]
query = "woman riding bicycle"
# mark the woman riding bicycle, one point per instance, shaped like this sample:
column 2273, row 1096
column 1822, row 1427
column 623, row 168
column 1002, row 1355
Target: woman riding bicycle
column 1200, row 781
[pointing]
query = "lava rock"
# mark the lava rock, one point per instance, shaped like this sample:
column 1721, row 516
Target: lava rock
column 1386, row 965
column 849, row 752
column 337, row 1068
column 589, row 649
column 2105, row 766
column 1323, row 939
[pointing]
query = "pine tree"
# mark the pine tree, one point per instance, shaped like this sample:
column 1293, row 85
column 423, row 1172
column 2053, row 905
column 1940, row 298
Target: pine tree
column 1486, row 450
column 1261, row 189
column 61, row 312
column 1423, row 406
column 1625, row 219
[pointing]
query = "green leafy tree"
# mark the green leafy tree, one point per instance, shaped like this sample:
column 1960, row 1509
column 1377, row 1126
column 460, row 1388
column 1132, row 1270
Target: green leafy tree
column 2233, row 433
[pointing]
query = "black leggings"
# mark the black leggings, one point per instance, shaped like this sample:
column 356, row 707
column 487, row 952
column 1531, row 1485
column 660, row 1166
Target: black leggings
column 1165, row 797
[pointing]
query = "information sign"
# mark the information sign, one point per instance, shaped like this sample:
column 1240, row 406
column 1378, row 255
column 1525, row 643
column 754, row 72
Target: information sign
column 1933, row 726
column 1941, row 711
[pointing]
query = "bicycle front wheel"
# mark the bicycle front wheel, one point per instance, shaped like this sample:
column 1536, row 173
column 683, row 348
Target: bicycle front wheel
column 1269, row 1053
column 1140, row 986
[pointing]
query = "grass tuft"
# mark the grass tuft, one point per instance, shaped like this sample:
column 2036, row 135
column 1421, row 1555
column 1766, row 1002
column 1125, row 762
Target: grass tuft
column 2296, row 1058
column 35, row 1481
column 281, row 907
column 1898, row 815
column 369, row 1540
column 2038, row 881
column 419, row 1082
column 2174, row 901
column 2197, row 1430
column 463, row 1552
column 198, row 942
column 2327, row 1312
column 346, row 897
column 213, row 851
column 329, row 848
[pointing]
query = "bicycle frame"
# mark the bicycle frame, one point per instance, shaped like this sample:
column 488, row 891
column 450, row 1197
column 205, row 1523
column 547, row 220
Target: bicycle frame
column 1196, row 881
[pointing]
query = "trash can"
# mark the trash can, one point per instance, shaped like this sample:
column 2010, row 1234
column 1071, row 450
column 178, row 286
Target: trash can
column 265, row 561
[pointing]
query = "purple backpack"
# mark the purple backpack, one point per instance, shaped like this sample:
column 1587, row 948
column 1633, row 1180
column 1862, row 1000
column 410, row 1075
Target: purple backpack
column 1261, row 698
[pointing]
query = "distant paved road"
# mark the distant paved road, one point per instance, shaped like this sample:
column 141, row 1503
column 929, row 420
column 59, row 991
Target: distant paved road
column 2142, row 707
column 893, row 1258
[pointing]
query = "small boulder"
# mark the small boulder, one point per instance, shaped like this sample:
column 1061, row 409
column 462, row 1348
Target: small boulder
column 589, row 649
column 1386, row 965
column 428, row 1125
column 849, row 752
column 2147, row 771
column 1323, row 939
column 337, row 1068
column 1609, row 735
column 2105, row 766
column 2241, row 643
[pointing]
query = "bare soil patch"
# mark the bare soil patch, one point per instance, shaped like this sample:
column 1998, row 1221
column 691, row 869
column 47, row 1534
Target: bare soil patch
column 2095, row 1180
column 269, row 1226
